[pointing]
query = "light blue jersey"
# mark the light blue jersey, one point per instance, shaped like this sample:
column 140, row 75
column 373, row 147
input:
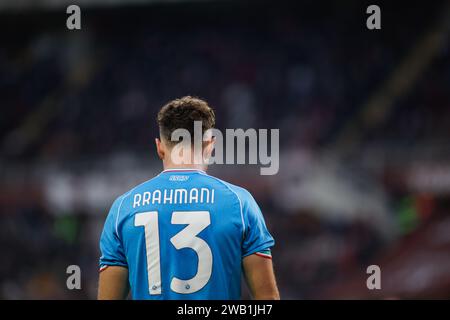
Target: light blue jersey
column 182, row 235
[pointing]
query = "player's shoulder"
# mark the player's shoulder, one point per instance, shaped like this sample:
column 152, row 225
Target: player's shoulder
column 242, row 193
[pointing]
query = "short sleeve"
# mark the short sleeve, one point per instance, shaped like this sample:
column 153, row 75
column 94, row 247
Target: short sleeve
column 256, row 236
column 111, row 248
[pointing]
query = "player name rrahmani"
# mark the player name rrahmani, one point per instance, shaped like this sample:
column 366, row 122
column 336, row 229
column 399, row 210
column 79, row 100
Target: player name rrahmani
column 174, row 196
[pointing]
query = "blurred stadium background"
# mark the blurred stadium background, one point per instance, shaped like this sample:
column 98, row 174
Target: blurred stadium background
column 364, row 119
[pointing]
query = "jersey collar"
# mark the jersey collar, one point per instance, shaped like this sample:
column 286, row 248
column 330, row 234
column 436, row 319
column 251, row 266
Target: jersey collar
column 183, row 170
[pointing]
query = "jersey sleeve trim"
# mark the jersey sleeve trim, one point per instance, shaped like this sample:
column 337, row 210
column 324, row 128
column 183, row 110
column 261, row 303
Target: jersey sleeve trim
column 262, row 248
column 102, row 268
column 265, row 254
column 105, row 266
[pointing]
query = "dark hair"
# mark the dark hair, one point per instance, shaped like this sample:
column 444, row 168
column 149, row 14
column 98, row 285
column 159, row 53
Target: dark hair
column 181, row 114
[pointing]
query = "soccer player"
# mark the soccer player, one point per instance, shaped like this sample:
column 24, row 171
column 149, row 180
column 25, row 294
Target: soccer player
column 185, row 234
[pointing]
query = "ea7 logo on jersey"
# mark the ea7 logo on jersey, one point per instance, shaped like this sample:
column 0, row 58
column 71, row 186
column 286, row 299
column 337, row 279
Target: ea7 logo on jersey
column 178, row 178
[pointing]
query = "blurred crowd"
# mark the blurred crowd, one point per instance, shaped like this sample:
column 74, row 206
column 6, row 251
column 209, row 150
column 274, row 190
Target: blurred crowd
column 74, row 101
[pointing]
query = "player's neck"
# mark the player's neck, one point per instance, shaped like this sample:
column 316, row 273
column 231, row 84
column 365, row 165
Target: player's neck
column 172, row 166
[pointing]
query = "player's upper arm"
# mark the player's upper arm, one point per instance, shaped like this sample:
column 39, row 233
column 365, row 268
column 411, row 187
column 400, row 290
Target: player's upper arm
column 256, row 244
column 260, row 277
column 113, row 280
column 113, row 283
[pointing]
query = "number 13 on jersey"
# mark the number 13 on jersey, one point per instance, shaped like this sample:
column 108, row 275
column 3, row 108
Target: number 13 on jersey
column 196, row 222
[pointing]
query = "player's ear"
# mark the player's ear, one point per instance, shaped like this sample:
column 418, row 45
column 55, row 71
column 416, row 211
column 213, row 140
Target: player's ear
column 208, row 147
column 160, row 148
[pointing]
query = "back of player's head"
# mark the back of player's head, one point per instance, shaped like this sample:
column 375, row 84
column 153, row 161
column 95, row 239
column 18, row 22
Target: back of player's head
column 182, row 113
